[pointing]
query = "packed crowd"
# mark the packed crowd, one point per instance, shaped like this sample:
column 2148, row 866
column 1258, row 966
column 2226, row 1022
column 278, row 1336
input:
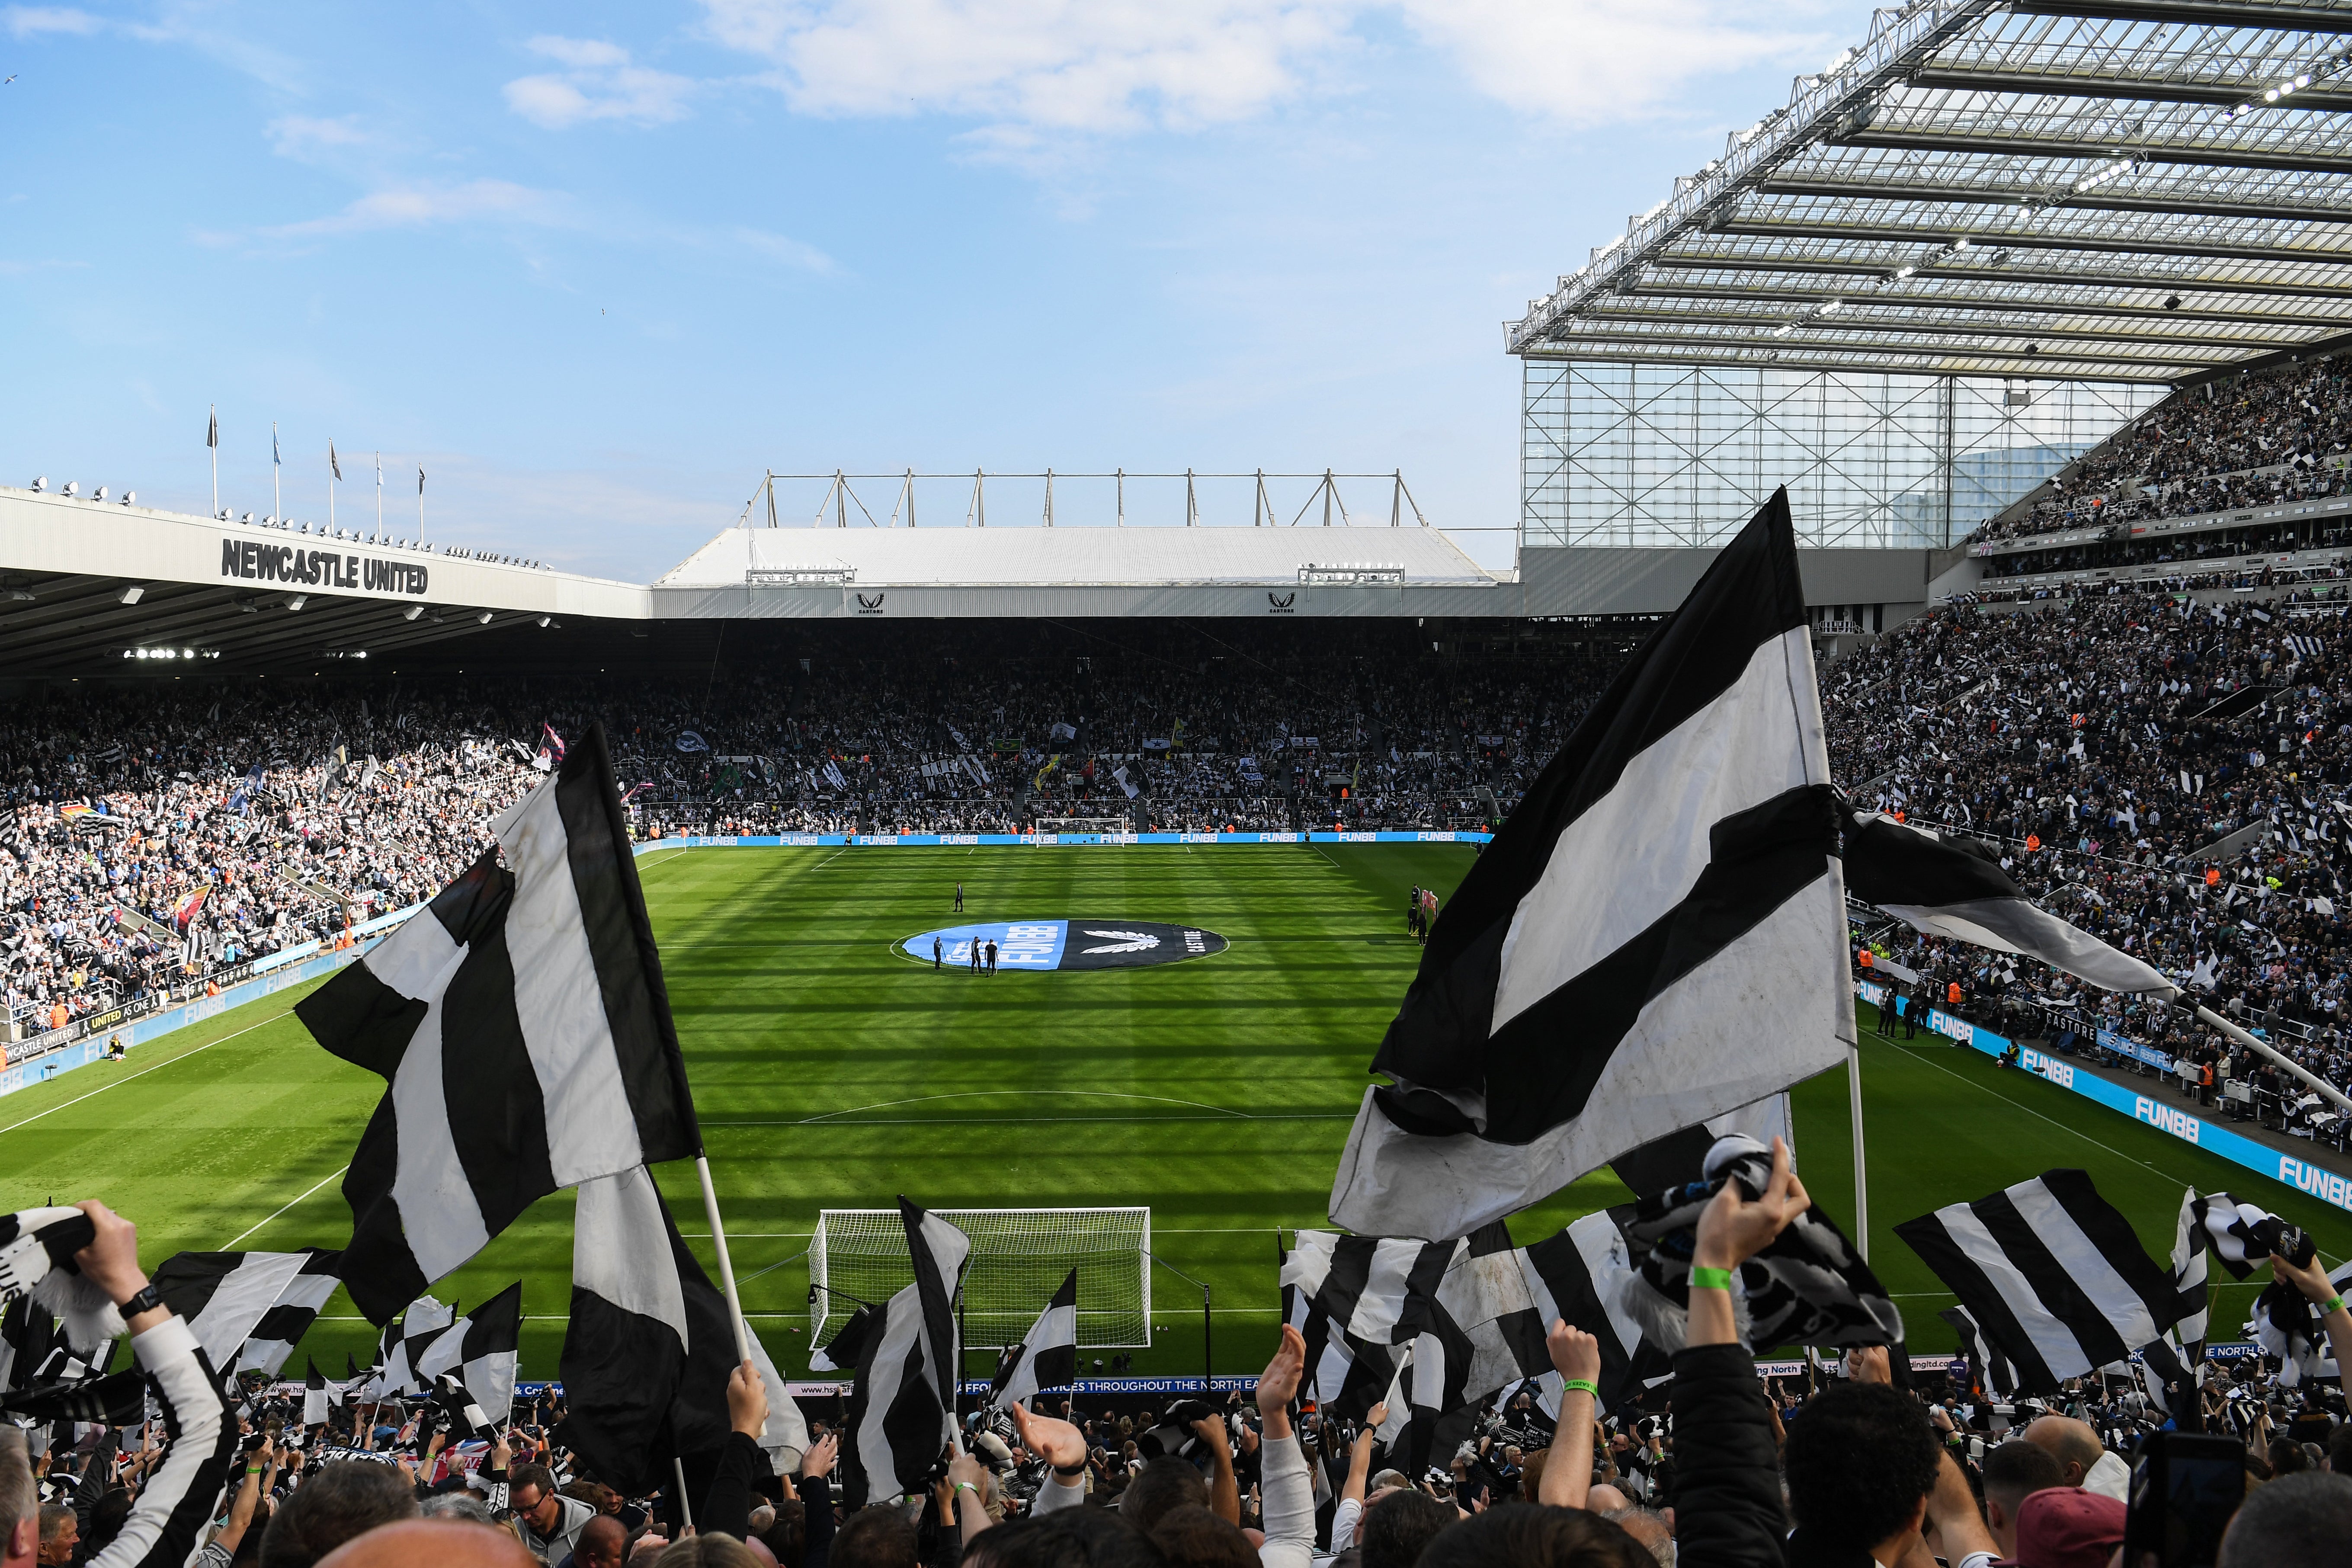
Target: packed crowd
column 2260, row 439
column 1715, row 1467
column 2168, row 775
column 148, row 841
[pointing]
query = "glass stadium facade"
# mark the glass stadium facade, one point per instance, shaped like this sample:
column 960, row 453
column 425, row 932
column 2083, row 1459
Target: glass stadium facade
column 1613, row 452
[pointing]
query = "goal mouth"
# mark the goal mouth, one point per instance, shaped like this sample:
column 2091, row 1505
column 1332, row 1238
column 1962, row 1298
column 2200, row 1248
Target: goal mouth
column 1019, row 1259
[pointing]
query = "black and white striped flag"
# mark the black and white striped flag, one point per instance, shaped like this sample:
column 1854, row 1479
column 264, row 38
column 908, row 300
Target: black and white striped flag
column 649, row 1345
column 1993, row 1372
column 223, row 1295
column 1355, row 1299
column 297, row 1307
column 481, row 1348
column 1047, row 1355
column 1954, row 887
column 523, row 1027
column 404, row 1341
column 2051, row 1273
column 902, row 1415
column 465, row 1411
column 317, row 1395
column 1656, row 936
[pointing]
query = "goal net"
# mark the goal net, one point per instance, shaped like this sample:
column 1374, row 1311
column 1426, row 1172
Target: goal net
column 1085, row 825
column 1019, row 1257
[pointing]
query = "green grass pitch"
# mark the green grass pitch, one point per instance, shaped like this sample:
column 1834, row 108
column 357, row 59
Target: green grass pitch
column 831, row 1072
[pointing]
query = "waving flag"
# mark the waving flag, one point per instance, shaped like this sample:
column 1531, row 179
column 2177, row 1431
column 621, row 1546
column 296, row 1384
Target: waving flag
column 1656, row 936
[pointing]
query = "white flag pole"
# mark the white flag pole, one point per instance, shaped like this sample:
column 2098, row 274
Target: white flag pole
column 1861, row 1180
column 726, row 1264
column 2206, row 1015
column 277, row 501
column 684, row 1509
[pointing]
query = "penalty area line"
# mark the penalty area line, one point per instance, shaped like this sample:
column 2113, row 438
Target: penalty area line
column 251, row 1228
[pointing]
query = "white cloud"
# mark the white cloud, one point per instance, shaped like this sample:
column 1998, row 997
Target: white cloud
column 1057, row 66
column 600, row 84
column 784, row 248
column 26, row 21
column 298, row 135
column 417, row 206
column 1591, row 62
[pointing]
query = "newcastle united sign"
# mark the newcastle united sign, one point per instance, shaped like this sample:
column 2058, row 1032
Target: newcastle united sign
column 261, row 561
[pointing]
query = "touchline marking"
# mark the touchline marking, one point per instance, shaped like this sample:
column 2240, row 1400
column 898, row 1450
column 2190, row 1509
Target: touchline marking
column 143, row 1072
column 1228, row 1116
column 1911, row 1051
column 314, row 1187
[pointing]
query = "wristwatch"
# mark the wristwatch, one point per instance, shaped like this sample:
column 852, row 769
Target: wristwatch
column 146, row 1300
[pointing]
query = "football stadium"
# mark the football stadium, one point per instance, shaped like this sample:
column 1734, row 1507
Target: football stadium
column 1913, row 722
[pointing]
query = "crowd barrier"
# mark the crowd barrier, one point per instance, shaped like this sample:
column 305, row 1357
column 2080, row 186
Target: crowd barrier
column 2213, row 1137
column 1048, row 840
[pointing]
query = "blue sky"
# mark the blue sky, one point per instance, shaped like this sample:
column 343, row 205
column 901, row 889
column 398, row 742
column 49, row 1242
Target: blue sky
column 597, row 268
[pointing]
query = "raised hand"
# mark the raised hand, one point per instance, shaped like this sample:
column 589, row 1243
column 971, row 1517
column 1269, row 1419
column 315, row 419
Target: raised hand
column 1054, row 1440
column 1732, row 1229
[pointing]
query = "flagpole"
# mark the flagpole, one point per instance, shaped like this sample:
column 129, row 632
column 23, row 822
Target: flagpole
column 331, row 476
column 212, row 439
column 277, row 500
column 1861, row 1180
column 726, row 1264
column 2206, row 1015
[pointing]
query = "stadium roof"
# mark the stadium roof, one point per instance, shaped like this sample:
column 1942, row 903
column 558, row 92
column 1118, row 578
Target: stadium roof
column 2112, row 189
column 1070, row 557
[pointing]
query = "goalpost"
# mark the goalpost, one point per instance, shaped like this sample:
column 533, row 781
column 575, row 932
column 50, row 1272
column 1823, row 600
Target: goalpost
column 1019, row 1257
column 1085, row 825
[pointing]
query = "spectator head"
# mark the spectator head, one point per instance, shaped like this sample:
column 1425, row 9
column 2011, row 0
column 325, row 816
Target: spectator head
column 2070, row 1442
column 603, row 1543
column 1192, row 1536
column 20, row 1501
column 1860, row 1465
column 2304, row 1520
column 445, row 1543
column 1399, row 1526
column 712, row 1551
column 1164, row 1484
column 1647, row 1526
column 459, row 1505
column 2015, row 1471
column 337, row 1502
column 1070, row 1538
column 870, row 1538
column 2066, row 1527
column 1536, row 1537
column 60, row 1533
column 534, row 1497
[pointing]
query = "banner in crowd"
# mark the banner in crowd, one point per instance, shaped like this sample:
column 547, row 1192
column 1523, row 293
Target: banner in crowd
column 2305, row 1175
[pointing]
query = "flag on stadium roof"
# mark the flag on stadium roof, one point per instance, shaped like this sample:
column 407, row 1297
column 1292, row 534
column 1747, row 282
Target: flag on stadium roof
column 1954, row 887
column 524, row 1031
column 1047, row 1355
column 649, row 1345
column 296, row 1307
column 2051, row 1274
column 902, row 1415
column 1656, row 936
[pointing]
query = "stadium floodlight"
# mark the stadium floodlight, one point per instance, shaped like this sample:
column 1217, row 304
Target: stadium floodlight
column 18, row 595
column 546, row 622
column 224, row 514
column 1904, row 271
column 247, row 517
column 411, row 613
column 40, row 483
column 72, row 488
column 132, row 594
column 130, row 496
column 99, row 494
column 298, row 601
column 484, row 618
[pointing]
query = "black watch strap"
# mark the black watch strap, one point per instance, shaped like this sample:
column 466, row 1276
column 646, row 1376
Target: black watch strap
column 147, row 1301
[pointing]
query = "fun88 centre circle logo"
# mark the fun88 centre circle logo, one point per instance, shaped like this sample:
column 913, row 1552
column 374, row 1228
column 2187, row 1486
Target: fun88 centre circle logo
column 1063, row 944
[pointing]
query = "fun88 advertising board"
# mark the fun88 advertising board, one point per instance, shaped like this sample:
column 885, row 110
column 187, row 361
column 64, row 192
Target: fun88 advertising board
column 1061, row 944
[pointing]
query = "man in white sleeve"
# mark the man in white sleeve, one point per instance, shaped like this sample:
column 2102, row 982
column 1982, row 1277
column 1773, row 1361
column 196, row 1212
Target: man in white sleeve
column 181, row 1496
column 1286, row 1487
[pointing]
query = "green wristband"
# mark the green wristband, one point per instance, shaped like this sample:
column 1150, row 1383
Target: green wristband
column 1581, row 1386
column 1711, row 1278
column 2335, row 1304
